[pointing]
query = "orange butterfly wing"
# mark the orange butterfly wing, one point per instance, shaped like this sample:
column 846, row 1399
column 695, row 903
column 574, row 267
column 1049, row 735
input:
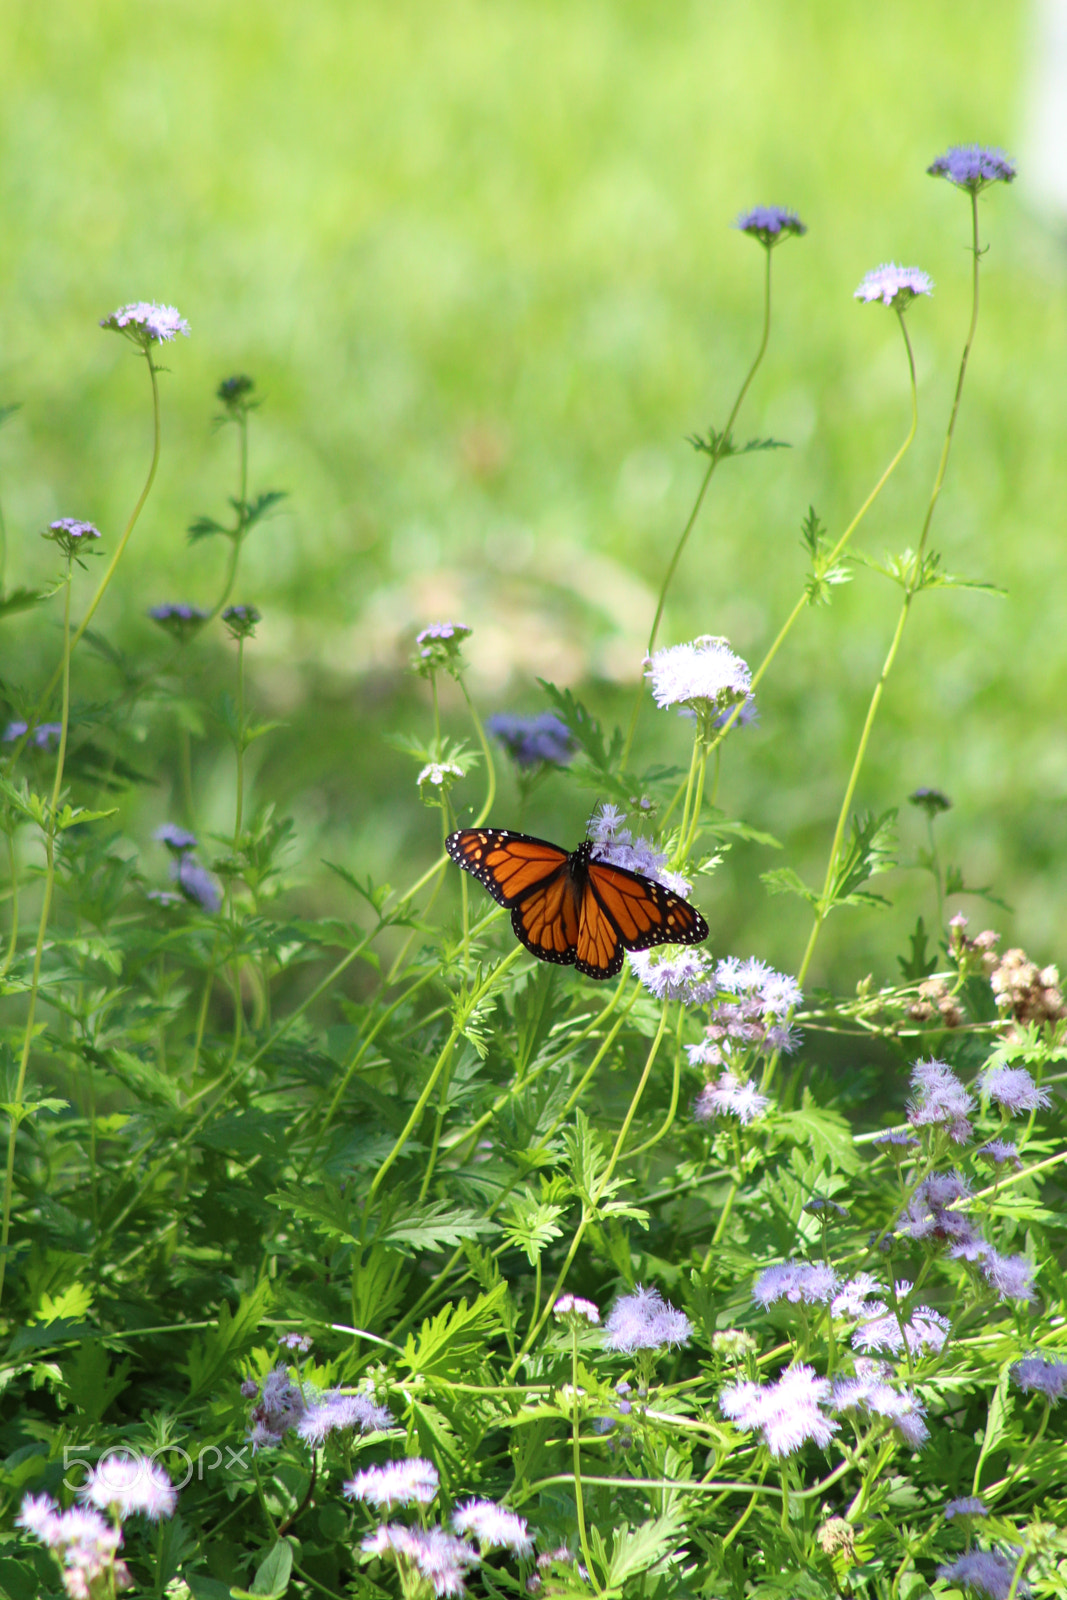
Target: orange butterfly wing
column 623, row 910
column 571, row 909
column 532, row 879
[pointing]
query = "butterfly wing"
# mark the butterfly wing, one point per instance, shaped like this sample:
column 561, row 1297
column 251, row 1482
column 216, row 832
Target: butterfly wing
column 532, row 879
column 623, row 911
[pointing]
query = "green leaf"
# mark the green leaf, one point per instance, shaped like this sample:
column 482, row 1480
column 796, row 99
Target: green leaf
column 866, row 852
column 586, row 729
column 635, row 1550
column 433, row 1227
column 783, row 880
column 74, row 816
column 90, row 1382
column 272, row 1574
column 20, row 600
column 720, row 445
column 533, row 1223
column 918, row 964
column 455, row 1337
column 212, row 1354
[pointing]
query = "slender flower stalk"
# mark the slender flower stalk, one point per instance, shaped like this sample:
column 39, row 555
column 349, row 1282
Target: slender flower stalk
column 576, row 1424
column 716, row 455
column 42, row 928
column 912, row 585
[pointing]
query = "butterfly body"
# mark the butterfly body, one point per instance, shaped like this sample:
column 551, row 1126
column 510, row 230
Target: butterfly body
column 571, row 908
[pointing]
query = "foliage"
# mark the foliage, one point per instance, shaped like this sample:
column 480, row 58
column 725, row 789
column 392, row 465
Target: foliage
column 325, row 1216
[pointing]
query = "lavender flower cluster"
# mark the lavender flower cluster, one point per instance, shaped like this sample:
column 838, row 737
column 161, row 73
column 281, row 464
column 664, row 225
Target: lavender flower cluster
column 614, row 843
column 83, row 1542
column 441, row 1559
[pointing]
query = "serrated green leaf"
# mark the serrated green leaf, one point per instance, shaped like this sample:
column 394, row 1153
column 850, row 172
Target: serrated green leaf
column 783, row 880
column 214, row 1353
column 446, row 1342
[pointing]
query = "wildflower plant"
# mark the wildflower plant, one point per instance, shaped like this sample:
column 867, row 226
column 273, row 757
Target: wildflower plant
column 362, row 1254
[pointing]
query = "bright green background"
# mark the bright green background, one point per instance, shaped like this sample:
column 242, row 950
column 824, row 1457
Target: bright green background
column 479, row 258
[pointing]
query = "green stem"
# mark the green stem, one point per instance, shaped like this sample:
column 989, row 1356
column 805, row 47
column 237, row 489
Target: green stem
column 577, row 1455
column 237, row 537
column 13, row 941
column 42, row 928
column 490, row 767
column 716, row 457
column 588, row 1211
column 439, row 1066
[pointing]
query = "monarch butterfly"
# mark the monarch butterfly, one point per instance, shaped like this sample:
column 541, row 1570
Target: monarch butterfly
column 572, row 909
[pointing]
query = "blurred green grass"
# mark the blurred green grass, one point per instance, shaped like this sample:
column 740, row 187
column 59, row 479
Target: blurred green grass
column 479, row 260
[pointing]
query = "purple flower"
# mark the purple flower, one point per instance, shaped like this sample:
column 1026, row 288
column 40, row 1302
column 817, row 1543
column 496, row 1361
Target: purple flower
column 334, row 1412
column 770, row 224
column 932, row 801
column 1014, row 1089
column 175, row 838
column 281, row 1406
column 705, row 675
column 1000, row 1152
column 196, row 883
column 437, row 1556
column 146, row 323
column 397, row 1483
column 896, row 1136
column 531, row 741
column 1047, row 1377
column 852, row 1298
column 870, row 1391
column 573, row 1306
column 287, row 1341
column 786, row 1413
column 620, row 848
column 125, row 1484
column 894, row 286
column 674, row 974
column 179, row 619
column 82, row 1541
column 46, row 735
column 942, row 1099
column 242, row 621
column 985, row 1570
column 493, row 1526
column 820, row 1204
column 729, row 1097
column 71, row 535
column 645, row 1321
column 737, row 716
column 973, row 166
column 438, row 648
column 444, row 631
column 1010, row 1276
column 969, row 1505
column 795, row 1280
column 926, row 1329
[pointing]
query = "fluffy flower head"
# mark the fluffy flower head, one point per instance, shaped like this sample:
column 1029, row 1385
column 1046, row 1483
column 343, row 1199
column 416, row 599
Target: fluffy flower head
column 1015, row 1090
column 438, row 1557
column 973, row 166
column 675, row 974
column 770, row 224
column 493, row 1526
column 334, row 1412
column 128, row 1483
column 729, row 1097
column 147, row 323
column 1047, row 1377
column 705, row 675
column 795, row 1281
column 397, row 1483
column 533, row 741
column 645, row 1321
column 987, row 1571
column 787, row 1413
column 893, row 285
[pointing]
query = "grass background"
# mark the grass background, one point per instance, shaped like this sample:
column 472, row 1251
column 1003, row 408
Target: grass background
column 479, row 259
